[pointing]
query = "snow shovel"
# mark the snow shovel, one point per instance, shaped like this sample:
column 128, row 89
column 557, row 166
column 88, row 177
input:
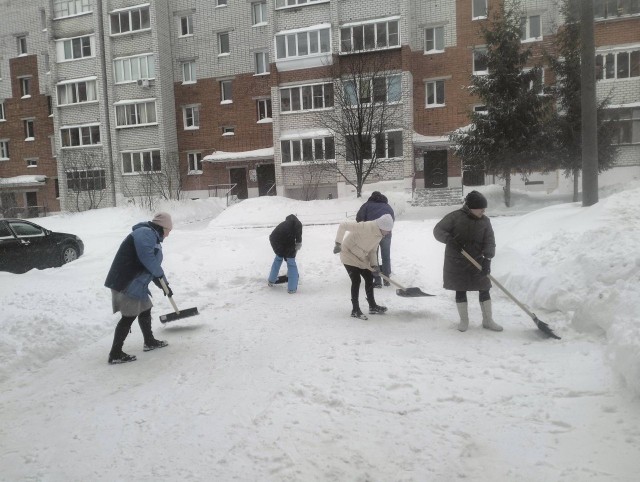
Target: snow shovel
column 542, row 326
column 405, row 292
column 178, row 314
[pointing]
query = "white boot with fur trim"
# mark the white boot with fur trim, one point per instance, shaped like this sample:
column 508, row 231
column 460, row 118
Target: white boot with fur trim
column 487, row 317
column 463, row 311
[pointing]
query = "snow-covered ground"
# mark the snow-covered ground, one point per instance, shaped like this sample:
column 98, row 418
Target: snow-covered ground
column 268, row 386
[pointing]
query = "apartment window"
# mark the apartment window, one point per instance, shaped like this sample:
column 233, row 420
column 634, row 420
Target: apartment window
column 479, row 8
column 370, row 36
column 76, row 92
column 434, row 40
column 306, row 97
column 293, row 3
column 131, row 20
column 615, row 8
column 264, row 109
column 25, row 86
column 4, row 150
column 188, row 72
column 480, row 109
column 628, row 125
column 221, row 3
column 68, row 8
column 135, row 114
column 435, row 93
column 32, row 163
column 191, row 117
column 141, row 161
column 378, row 90
column 355, row 145
column 313, row 149
column 87, row 180
column 186, row 25
column 29, row 130
column 22, row 45
column 618, row 65
column 195, row 162
column 480, row 65
column 130, row 69
column 226, row 91
column 75, row 48
column 49, row 106
column 262, row 63
column 300, row 44
column 2, row 114
column 223, row 43
column 259, row 13
column 228, row 131
column 389, row 145
column 537, row 83
column 88, row 135
column 530, row 28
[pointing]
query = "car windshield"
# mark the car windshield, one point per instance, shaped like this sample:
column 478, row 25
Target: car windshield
column 25, row 229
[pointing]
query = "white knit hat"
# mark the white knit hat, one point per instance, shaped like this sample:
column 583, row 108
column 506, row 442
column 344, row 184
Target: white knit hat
column 164, row 220
column 385, row 222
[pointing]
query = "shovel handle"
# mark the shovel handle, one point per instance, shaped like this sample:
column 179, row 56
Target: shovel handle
column 386, row 278
column 166, row 292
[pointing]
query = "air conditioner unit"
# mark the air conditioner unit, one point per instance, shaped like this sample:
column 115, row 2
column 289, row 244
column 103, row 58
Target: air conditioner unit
column 144, row 83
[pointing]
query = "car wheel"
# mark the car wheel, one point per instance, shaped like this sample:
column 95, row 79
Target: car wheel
column 69, row 253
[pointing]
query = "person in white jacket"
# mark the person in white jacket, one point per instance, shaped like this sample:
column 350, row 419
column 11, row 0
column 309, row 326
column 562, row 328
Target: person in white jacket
column 358, row 253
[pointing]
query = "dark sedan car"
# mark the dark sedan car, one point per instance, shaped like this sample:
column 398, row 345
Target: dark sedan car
column 25, row 245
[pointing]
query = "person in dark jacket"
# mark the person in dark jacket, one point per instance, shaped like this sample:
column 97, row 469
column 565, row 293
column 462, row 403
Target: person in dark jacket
column 469, row 229
column 136, row 264
column 286, row 241
column 376, row 206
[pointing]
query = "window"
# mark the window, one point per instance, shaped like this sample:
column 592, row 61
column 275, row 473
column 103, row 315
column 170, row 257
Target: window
column 530, row 28
column 2, row 114
column 300, row 44
column 139, row 113
column 141, row 161
column 130, row 69
column 77, row 92
column 628, row 125
column 370, row 36
column 259, row 13
column 221, row 3
column 4, row 150
column 293, row 3
column 22, row 45
column 618, row 65
column 479, row 9
column 195, row 162
column 188, row 72
column 228, row 131
column 306, row 97
column 131, row 20
column 25, row 86
column 262, row 63
column 75, row 48
column 29, row 130
column 314, row 149
column 355, row 145
column 87, row 180
column 186, row 25
column 226, row 91
column 615, row 8
column 223, row 43
column 191, row 117
column 435, row 93
column 378, row 90
column 264, row 109
column 480, row 66
column 389, row 145
column 32, row 162
column 537, row 83
column 67, row 8
column 77, row 136
column 434, row 40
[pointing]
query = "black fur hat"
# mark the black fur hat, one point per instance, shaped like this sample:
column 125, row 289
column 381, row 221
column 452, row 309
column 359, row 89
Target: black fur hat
column 475, row 200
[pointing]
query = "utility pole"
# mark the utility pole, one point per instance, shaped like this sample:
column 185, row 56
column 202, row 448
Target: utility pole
column 588, row 101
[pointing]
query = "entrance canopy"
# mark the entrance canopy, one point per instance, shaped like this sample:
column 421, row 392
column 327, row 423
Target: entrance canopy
column 222, row 156
column 22, row 181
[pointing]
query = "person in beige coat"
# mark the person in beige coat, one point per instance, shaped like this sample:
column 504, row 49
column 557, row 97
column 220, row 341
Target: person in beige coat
column 358, row 253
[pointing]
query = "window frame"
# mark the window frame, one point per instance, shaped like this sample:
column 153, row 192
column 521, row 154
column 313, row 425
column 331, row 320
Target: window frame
column 3, row 113
column 287, row 92
column 265, row 61
column 358, row 90
column 84, row 4
column 268, row 109
column 221, row 46
column 296, row 3
column 299, row 145
column 602, row 65
column 93, row 132
column 291, row 37
column 186, row 23
column 479, row 3
column 4, row 150
column 131, row 63
column 134, row 110
column 525, row 28
column 479, row 51
column 29, row 129
column 21, row 41
column 74, row 87
column 438, row 87
column 260, row 7
column 625, row 125
column 154, row 155
column 66, row 46
column 191, row 117
column 129, row 12
column 87, row 183
column 353, row 38
column 25, row 87
column 191, row 64
column 435, row 49
column 224, row 91
column 194, row 159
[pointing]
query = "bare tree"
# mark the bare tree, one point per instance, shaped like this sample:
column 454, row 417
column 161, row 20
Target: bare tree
column 86, row 177
column 366, row 107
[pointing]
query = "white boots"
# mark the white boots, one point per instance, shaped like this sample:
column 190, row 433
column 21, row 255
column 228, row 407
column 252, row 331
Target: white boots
column 487, row 319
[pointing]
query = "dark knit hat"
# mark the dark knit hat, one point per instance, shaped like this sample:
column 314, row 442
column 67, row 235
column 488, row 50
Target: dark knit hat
column 475, row 200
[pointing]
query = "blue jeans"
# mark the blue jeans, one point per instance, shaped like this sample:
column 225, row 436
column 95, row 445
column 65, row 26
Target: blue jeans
column 385, row 253
column 292, row 272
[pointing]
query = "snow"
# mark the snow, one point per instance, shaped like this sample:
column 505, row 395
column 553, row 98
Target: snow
column 225, row 156
column 264, row 385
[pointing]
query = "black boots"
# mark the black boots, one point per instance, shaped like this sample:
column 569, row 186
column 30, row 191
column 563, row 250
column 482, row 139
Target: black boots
column 150, row 343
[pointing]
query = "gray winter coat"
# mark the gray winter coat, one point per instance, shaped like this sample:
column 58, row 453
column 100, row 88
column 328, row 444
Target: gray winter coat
column 476, row 237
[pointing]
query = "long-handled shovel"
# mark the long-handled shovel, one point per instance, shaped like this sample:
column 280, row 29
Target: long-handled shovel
column 542, row 326
column 405, row 292
column 178, row 314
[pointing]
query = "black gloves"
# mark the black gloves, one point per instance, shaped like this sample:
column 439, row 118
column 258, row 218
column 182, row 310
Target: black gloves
column 156, row 281
column 486, row 266
column 337, row 248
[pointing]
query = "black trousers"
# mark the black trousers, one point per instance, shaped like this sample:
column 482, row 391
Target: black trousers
column 461, row 296
column 124, row 327
column 356, row 274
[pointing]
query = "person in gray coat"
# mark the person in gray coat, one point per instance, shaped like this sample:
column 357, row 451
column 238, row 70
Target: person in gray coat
column 469, row 229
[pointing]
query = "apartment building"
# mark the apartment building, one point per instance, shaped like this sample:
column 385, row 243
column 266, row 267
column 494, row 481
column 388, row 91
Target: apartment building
column 104, row 101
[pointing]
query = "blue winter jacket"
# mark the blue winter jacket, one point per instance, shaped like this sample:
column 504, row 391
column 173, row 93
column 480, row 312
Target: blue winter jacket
column 137, row 261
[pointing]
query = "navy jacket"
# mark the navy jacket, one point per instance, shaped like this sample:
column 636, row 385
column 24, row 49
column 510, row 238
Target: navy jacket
column 375, row 207
column 285, row 236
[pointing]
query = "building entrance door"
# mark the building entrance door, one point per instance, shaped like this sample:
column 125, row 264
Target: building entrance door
column 435, row 169
column 238, row 176
column 266, row 180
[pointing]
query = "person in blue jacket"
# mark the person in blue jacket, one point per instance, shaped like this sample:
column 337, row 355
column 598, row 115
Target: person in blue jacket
column 137, row 263
column 376, row 206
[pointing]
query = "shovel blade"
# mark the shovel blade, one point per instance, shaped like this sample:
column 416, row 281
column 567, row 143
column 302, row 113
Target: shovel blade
column 411, row 293
column 178, row 316
column 544, row 328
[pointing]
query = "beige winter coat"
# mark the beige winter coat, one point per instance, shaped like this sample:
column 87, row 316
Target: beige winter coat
column 360, row 245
